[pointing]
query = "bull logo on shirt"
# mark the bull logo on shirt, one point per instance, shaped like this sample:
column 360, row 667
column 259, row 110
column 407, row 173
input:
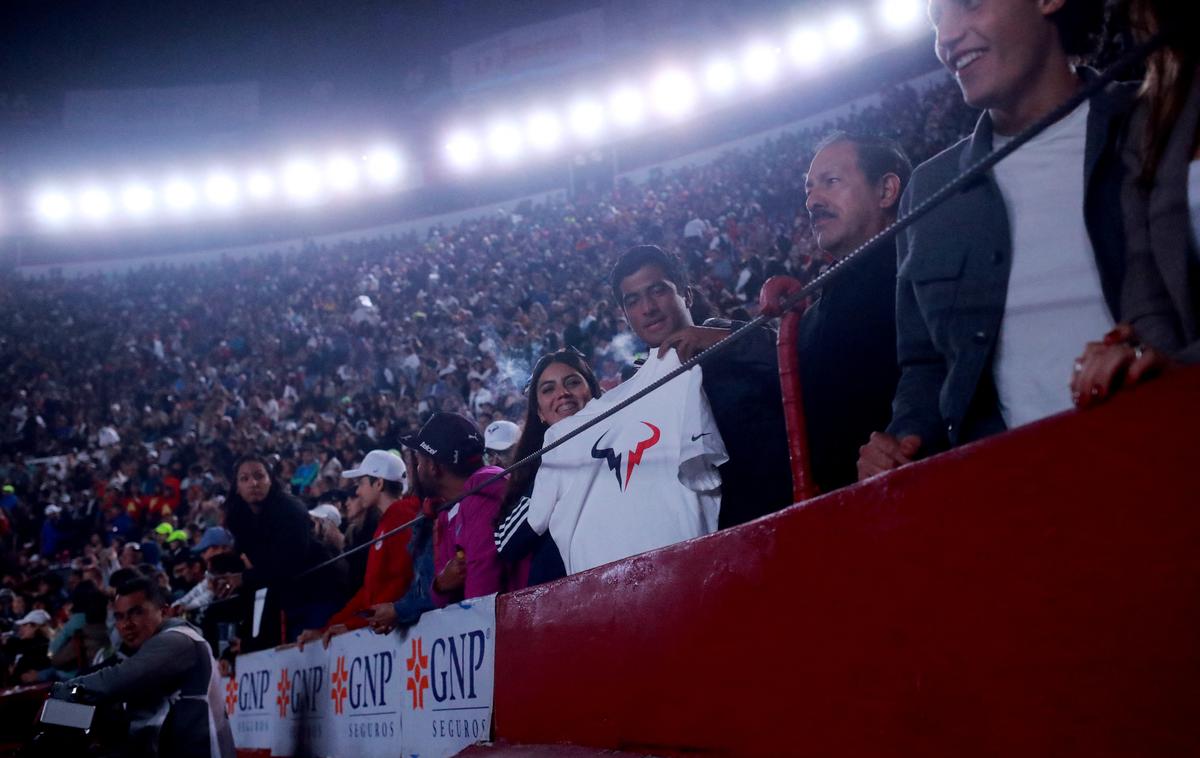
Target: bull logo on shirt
column 635, row 456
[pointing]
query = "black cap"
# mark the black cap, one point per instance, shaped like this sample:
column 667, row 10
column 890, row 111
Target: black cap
column 448, row 438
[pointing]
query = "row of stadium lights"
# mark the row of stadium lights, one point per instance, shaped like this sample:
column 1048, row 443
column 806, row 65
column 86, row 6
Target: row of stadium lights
column 671, row 95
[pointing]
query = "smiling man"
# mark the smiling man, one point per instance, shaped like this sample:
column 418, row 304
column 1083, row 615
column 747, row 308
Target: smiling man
column 741, row 384
column 1001, row 286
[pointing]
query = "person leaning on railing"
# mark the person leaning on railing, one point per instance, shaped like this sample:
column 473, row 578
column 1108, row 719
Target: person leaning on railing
column 1161, row 202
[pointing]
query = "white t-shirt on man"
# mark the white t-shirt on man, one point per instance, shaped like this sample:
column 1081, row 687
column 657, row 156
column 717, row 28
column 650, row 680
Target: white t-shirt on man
column 645, row 478
column 1055, row 303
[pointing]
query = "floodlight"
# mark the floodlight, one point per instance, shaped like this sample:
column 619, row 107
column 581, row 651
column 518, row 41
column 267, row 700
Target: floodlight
column 137, row 199
column 260, row 185
column 504, row 141
column 95, row 204
column 587, row 118
column 628, row 107
column 52, row 206
column 543, row 131
column 342, row 173
column 761, row 63
column 301, row 180
column 674, row 93
column 179, row 195
column 901, row 15
column 845, row 33
column 720, row 77
column 383, row 166
column 462, row 149
column 806, row 47
column 221, row 190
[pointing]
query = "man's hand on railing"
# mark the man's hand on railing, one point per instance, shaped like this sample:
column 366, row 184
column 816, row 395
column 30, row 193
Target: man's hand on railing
column 883, row 452
column 381, row 618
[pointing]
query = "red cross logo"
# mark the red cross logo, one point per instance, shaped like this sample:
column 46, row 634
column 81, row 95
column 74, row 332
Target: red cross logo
column 284, row 699
column 339, row 676
column 418, row 680
column 230, row 696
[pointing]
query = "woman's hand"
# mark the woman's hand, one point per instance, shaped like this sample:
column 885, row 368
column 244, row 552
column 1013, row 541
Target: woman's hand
column 1105, row 367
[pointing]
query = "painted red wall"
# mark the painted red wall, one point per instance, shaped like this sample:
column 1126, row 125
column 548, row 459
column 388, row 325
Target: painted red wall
column 1034, row 594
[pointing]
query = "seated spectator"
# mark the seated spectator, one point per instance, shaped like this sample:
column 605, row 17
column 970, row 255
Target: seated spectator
column 1161, row 200
column 84, row 636
column 561, row 384
column 449, row 454
column 1001, row 285
column 382, row 481
column 26, row 652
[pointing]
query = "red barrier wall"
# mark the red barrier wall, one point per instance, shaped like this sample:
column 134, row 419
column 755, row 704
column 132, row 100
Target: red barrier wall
column 1034, row 594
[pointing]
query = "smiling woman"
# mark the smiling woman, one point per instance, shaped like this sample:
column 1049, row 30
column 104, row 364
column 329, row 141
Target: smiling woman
column 560, row 385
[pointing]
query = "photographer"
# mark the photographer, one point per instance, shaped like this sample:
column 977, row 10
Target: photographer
column 169, row 685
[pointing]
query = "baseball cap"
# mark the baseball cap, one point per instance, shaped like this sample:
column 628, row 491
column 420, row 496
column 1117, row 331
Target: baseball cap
column 52, row 509
column 380, row 464
column 214, row 536
column 9, row 489
column 177, row 536
column 501, row 435
column 37, row 616
column 448, row 438
column 164, row 528
column 327, row 512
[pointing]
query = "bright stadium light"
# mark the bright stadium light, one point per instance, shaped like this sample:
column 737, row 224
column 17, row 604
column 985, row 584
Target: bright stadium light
column 720, row 77
column 383, row 166
column 845, row 33
column 543, row 131
column 95, row 204
column 674, row 93
column 901, row 15
column 806, row 47
column 301, row 180
column 52, row 207
column 342, row 173
column 627, row 106
column 221, row 190
column 462, row 150
column 137, row 199
column 179, row 195
column 504, row 141
column 761, row 63
column 260, row 185
column 586, row 118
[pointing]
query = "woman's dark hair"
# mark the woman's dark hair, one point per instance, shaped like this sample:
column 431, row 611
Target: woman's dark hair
column 237, row 510
column 87, row 599
column 533, row 431
column 1170, row 71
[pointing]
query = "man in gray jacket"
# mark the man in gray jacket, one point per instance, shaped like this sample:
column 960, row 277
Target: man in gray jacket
column 170, row 684
column 1001, row 286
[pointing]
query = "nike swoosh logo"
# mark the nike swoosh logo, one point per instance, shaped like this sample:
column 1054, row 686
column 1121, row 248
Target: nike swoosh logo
column 698, row 436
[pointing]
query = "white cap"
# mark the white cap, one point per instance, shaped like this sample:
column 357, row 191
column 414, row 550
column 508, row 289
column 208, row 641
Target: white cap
column 52, row 509
column 500, row 435
column 327, row 512
column 380, row 464
column 34, row 617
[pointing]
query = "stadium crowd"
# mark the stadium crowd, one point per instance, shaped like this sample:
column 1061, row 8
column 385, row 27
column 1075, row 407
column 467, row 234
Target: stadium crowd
column 167, row 423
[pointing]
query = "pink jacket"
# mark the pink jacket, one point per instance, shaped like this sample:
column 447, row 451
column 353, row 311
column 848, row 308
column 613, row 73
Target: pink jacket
column 470, row 526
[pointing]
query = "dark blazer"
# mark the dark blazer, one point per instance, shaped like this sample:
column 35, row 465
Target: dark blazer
column 953, row 274
column 1161, row 297
column 848, row 373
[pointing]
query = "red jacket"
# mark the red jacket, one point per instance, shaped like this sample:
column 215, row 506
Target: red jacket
column 389, row 566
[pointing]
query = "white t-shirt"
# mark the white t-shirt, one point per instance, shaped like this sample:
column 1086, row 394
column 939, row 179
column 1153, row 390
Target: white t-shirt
column 1194, row 203
column 645, row 478
column 1055, row 302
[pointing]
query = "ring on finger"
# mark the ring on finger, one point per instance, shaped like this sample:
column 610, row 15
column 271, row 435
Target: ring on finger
column 1138, row 352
